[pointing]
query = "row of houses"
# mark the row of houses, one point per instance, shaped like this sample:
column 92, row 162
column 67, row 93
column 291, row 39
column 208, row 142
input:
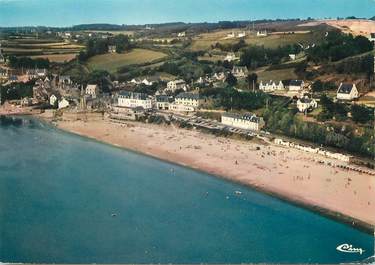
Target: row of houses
column 183, row 102
column 345, row 91
column 316, row 150
column 292, row 85
column 131, row 104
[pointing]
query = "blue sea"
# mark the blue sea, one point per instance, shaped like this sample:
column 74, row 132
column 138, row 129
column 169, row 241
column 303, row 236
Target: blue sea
column 67, row 199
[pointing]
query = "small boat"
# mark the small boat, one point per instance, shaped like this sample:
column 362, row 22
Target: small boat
column 238, row 192
column 114, row 214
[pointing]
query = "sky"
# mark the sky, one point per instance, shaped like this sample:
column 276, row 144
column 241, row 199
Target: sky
column 73, row 12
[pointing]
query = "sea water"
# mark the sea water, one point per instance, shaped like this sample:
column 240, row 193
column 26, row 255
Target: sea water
column 67, row 199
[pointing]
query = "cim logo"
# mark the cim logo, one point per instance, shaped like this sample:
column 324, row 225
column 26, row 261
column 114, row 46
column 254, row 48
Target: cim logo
column 347, row 248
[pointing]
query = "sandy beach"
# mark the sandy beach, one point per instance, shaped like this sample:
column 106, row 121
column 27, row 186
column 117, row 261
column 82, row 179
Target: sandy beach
column 289, row 174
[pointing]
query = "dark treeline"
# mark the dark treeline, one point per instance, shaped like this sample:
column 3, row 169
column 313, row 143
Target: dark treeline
column 362, row 64
column 338, row 46
column 95, row 46
column 228, row 47
column 256, row 56
column 339, row 111
column 16, row 91
column 28, row 63
column 346, row 138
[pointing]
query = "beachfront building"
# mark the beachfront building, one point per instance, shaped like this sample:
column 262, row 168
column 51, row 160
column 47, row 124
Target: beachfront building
column 163, row 102
column 271, row 86
column 306, row 104
column 240, row 71
column 92, row 90
column 123, row 113
column 181, row 108
column 132, row 100
column 247, row 121
column 188, row 99
column 347, row 91
column 296, row 85
column 176, row 85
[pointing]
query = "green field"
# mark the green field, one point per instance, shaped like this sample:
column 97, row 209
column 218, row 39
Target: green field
column 204, row 41
column 57, row 49
column 113, row 61
column 277, row 75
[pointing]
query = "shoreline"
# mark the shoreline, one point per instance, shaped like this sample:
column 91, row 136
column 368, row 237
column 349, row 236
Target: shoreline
column 79, row 128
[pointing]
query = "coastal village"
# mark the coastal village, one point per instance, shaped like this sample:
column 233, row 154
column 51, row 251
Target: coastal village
column 240, row 86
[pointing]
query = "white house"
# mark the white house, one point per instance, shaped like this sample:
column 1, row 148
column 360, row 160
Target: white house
column 262, row 33
column 304, row 104
column 111, row 48
column 188, row 99
column 247, row 121
column 231, row 35
column 242, row 34
column 4, row 73
column 292, row 56
column 36, row 73
column 63, row 103
column 347, row 91
column 149, row 81
column 271, row 86
column 65, row 79
column 52, row 100
column 92, row 90
column 372, row 37
column 163, row 102
column 2, row 58
column 133, row 100
column 181, row 34
column 240, row 71
column 136, row 81
column 231, row 56
column 219, row 76
column 176, row 85
column 296, row 85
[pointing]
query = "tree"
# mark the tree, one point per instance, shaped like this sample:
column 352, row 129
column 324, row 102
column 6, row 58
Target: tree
column 122, row 43
column 252, row 80
column 361, row 114
column 101, row 78
column 317, row 86
column 231, row 80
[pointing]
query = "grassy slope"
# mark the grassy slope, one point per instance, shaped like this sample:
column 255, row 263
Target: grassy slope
column 204, row 41
column 32, row 47
column 112, row 61
column 277, row 75
column 59, row 58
